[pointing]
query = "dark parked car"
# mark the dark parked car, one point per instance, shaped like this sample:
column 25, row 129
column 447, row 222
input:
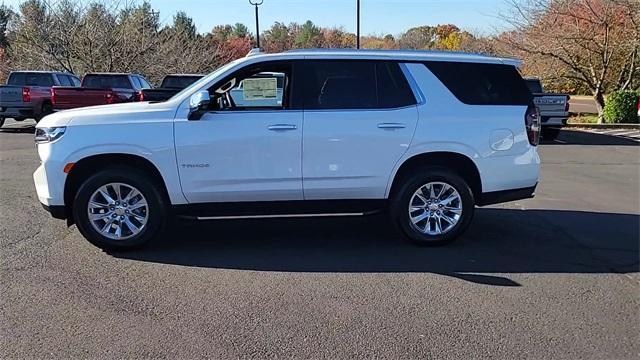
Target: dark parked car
column 27, row 94
column 99, row 89
column 171, row 85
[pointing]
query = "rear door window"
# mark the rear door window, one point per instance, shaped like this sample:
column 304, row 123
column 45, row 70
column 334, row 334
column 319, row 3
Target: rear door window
column 482, row 84
column 393, row 88
column 340, row 85
column 331, row 84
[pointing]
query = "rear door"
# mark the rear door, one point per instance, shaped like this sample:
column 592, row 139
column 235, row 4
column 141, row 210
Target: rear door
column 359, row 120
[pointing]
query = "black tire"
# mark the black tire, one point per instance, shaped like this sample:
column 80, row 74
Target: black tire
column 157, row 207
column 45, row 110
column 400, row 203
column 1, row 121
column 550, row 133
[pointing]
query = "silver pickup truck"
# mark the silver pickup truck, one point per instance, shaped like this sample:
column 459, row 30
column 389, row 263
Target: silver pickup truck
column 554, row 108
column 27, row 94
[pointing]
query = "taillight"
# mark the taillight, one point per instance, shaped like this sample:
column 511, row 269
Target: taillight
column 532, row 123
column 109, row 97
column 138, row 96
column 26, row 94
column 566, row 104
column 53, row 97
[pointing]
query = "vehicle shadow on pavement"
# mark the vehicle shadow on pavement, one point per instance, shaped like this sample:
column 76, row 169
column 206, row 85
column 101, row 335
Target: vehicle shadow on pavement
column 499, row 241
column 577, row 137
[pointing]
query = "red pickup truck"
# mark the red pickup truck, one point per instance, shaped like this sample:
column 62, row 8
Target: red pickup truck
column 99, row 89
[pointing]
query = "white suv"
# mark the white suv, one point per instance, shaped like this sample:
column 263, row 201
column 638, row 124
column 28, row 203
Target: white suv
column 425, row 135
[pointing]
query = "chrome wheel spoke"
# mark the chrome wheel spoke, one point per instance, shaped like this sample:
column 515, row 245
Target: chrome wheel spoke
column 105, row 194
column 138, row 205
column 417, row 219
column 438, row 225
column 98, row 216
column 449, row 199
column 450, row 220
column 443, row 190
column 132, row 227
column 456, row 211
column 132, row 194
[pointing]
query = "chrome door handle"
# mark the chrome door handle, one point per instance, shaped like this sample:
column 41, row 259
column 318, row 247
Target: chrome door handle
column 282, row 127
column 391, row 126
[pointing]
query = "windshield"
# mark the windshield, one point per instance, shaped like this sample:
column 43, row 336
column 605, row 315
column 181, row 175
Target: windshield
column 207, row 78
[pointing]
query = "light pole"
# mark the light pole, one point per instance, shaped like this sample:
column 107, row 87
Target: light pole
column 257, row 3
column 358, row 25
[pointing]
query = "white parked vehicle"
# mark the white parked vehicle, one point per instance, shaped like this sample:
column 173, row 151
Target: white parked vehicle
column 425, row 135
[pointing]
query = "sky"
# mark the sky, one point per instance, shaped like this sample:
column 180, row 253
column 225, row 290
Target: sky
column 378, row 17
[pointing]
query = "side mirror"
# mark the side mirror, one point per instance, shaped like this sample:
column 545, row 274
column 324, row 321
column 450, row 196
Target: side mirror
column 198, row 103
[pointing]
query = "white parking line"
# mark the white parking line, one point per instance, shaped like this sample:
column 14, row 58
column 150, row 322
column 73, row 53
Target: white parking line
column 630, row 134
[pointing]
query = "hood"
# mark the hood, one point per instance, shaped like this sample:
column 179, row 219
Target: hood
column 133, row 111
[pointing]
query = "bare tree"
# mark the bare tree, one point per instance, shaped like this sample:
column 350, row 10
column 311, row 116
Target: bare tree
column 594, row 42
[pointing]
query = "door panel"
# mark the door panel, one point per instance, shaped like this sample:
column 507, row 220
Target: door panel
column 240, row 156
column 349, row 154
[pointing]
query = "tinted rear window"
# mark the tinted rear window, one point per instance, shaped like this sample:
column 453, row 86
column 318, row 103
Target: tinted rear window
column 482, row 84
column 179, row 82
column 30, row 79
column 333, row 84
column 107, row 81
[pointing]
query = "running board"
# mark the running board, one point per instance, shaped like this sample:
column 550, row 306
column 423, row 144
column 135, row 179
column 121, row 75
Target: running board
column 276, row 216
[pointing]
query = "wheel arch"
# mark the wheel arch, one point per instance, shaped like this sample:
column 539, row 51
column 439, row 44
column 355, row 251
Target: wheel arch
column 457, row 162
column 89, row 165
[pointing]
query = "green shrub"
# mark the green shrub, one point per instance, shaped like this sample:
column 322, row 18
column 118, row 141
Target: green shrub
column 621, row 107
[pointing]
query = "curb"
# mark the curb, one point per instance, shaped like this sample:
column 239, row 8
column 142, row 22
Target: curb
column 604, row 126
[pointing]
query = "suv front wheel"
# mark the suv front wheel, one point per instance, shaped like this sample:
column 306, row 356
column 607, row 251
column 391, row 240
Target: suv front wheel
column 433, row 206
column 119, row 208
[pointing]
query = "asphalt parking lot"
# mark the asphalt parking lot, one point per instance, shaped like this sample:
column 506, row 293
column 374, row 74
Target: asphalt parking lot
column 556, row 276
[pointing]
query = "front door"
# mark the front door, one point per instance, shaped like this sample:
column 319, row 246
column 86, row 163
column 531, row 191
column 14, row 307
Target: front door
column 247, row 149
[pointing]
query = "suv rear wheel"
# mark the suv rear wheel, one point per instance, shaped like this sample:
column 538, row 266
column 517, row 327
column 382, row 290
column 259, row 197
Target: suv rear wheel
column 433, row 206
column 119, row 208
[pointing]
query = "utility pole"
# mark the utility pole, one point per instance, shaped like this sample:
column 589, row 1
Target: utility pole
column 358, row 25
column 257, row 3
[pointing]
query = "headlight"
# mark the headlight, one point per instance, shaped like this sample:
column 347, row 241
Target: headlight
column 45, row 135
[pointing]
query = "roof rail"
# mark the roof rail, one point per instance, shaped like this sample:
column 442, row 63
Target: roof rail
column 254, row 51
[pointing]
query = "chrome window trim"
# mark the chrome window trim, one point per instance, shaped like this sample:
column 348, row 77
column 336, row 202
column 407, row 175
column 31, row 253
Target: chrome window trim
column 420, row 98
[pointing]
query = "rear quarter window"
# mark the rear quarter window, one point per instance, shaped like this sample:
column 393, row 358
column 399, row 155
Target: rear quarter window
column 482, row 84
